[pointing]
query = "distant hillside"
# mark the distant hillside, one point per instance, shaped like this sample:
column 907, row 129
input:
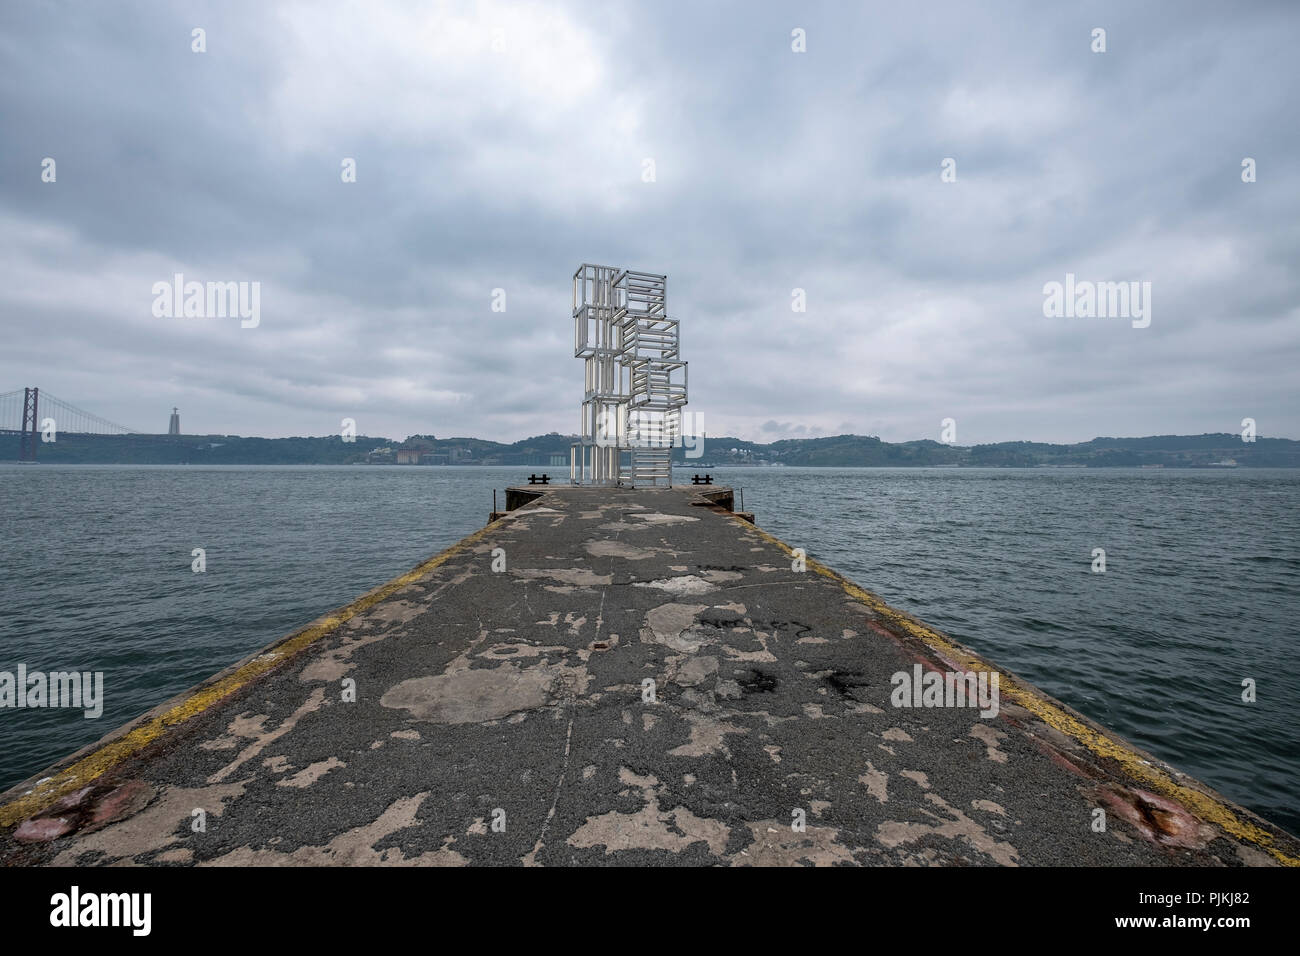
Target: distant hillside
column 1170, row 451
column 329, row 450
column 552, row 451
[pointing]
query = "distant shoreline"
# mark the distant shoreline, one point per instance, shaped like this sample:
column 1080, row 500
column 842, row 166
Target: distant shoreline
column 555, row 472
column 1223, row 451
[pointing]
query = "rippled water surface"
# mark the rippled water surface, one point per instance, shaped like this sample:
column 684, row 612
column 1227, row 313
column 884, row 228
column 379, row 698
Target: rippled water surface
column 1200, row 590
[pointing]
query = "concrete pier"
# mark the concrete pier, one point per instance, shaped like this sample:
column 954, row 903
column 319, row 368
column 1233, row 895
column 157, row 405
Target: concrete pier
column 605, row 675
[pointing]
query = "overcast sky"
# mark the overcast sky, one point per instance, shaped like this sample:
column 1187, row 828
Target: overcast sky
column 499, row 145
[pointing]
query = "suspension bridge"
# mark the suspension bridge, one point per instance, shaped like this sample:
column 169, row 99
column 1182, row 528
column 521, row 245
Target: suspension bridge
column 37, row 416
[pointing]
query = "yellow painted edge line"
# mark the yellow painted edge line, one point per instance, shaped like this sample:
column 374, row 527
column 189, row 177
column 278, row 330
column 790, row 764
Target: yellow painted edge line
column 1202, row 804
column 117, row 751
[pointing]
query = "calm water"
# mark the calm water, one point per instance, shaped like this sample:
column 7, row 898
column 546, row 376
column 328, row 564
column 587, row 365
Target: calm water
column 1200, row 591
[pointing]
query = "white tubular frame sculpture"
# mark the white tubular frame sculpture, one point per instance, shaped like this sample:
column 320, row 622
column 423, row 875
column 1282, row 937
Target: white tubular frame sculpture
column 635, row 378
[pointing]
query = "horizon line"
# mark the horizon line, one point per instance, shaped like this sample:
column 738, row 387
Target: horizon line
column 1234, row 435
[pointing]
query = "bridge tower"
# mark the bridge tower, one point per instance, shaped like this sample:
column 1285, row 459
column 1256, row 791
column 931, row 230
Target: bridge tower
column 174, row 426
column 29, row 437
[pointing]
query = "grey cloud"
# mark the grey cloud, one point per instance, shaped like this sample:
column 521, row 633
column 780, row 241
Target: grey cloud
column 776, row 170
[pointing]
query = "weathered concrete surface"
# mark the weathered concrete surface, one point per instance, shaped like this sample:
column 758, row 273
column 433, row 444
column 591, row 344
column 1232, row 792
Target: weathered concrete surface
column 517, row 696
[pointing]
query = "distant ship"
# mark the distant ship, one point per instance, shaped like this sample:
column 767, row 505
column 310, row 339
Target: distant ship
column 1224, row 463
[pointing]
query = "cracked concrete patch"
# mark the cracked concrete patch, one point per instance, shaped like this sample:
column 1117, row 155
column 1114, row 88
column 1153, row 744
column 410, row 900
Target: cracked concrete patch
column 684, row 584
column 619, row 549
column 265, row 739
column 990, row 738
column 651, row 827
column 716, row 576
column 920, row 778
column 579, row 577
column 481, row 694
column 957, row 827
column 666, row 624
column 353, row 847
column 311, row 773
column 695, row 670
column 707, row 735
column 659, row 519
column 775, row 844
column 243, row 727
column 334, row 664
column 876, row 782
